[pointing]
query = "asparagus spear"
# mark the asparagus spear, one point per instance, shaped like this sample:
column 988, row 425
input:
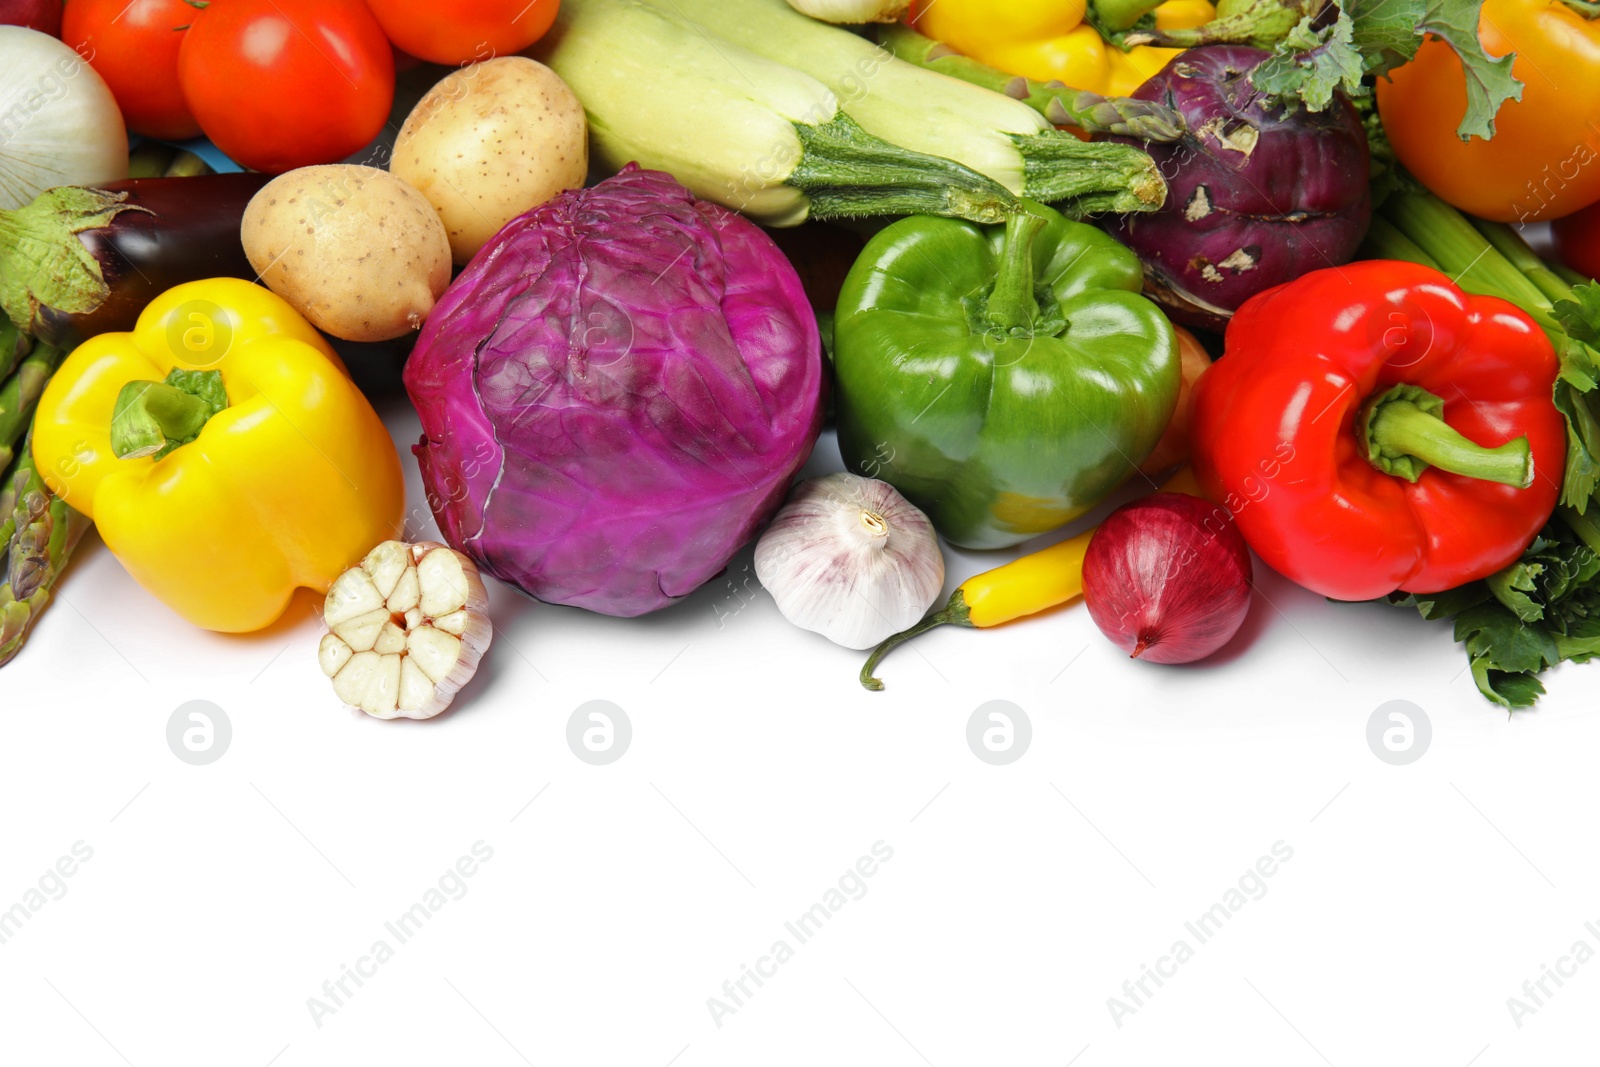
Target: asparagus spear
column 20, row 394
column 14, row 348
column 42, row 531
column 1063, row 106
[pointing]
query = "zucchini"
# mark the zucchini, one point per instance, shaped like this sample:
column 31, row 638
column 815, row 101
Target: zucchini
column 739, row 129
column 925, row 111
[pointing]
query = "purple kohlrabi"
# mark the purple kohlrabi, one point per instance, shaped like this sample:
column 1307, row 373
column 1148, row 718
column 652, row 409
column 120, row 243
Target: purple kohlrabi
column 1259, row 192
column 615, row 394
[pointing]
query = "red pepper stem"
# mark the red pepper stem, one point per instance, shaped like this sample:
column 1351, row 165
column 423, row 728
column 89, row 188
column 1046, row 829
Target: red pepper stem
column 1405, row 434
column 1012, row 305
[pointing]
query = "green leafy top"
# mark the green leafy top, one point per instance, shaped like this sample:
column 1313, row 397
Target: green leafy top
column 1311, row 65
column 42, row 262
column 1539, row 611
column 1321, row 47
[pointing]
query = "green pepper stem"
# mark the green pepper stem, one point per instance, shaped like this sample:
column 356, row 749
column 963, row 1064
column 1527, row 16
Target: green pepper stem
column 1012, row 305
column 1404, row 438
column 147, row 415
column 954, row 613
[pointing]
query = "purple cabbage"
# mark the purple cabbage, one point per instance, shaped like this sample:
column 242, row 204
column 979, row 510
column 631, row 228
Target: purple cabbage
column 615, row 394
column 1259, row 192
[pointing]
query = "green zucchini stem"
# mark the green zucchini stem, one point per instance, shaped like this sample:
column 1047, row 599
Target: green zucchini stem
column 846, row 172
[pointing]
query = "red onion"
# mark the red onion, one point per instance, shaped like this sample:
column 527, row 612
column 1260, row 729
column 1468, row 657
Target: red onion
column 1167, row 578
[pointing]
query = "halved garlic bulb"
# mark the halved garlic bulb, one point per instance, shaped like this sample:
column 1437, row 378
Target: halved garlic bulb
column 851, row 559
column 406, row 629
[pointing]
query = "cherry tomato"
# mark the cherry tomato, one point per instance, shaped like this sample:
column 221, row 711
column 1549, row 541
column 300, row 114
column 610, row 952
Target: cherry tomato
column 466, row 31
column 134, row 47
column 279, row 84
column 1578, row 240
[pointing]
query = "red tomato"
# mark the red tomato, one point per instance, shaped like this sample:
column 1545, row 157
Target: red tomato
column 279, row 84
column 1578, row 240
column 466, row 31
column 134, row 47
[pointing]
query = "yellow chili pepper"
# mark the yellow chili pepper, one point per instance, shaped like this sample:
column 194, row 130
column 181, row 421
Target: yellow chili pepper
column 1048, row 40
column 1026, row 586
column 222, row 451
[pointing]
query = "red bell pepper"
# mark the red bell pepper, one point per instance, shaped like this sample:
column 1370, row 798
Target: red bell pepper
column 1374, row 428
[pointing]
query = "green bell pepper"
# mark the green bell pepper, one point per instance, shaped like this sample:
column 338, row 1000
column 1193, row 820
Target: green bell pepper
column 1006, row 379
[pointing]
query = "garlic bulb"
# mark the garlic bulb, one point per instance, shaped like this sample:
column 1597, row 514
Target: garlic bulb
column 851, row 559
column 406, row 629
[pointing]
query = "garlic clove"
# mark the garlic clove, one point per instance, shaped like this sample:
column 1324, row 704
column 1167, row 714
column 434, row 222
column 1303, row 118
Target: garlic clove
column 385, row 565
column 351, row 594
column 363, row 681
column 332, row 654
column 850, row 558
column 435, row 653
column 362, row 632
column 416, row 688
column 391, row 640
column 445, row 587
column 407, row 628
column 406, row 594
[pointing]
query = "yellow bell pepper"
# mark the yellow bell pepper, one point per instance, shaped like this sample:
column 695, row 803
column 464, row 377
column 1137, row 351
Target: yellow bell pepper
column 1048, row 39
column 222, row 451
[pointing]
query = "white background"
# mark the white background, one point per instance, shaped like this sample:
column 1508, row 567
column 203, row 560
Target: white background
column 619, row 898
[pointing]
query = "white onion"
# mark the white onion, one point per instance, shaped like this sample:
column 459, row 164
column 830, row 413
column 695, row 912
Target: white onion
column 59, row 124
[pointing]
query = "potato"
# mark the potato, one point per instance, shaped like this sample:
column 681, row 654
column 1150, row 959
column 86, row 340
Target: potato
column 356, row 250
column 489, row 142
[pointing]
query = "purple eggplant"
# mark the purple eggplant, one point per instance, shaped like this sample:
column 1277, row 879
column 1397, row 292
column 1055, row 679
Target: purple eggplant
column 1259, row 192
column 84, row 261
